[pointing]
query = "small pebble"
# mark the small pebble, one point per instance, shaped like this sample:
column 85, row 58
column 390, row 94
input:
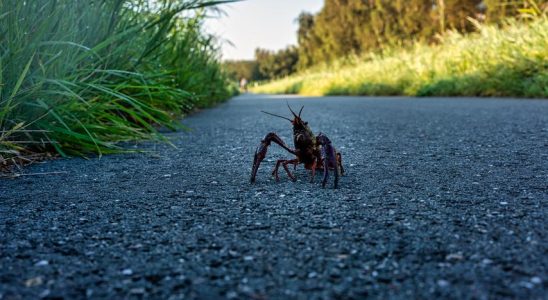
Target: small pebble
column 34, row 281
column 42, row 263
column 137, row 291
column 127, row 272
column 536, row 280
column 443, row 283
column 45, row 293
column 454, row 256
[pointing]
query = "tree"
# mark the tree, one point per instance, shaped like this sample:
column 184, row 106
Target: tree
column 238, row 69
column 346, row 27
column 276, row 64
column 307, row 40
column 458, row 12
column 333, row 32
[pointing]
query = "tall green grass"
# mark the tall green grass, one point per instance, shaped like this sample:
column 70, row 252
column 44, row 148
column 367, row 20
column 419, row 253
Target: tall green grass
column 507, row 61
column 78, row 77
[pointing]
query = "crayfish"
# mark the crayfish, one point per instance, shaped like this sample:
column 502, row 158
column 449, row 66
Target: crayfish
column 315, row 152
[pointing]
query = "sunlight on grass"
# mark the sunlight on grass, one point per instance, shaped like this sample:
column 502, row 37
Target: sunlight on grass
column 493, row 62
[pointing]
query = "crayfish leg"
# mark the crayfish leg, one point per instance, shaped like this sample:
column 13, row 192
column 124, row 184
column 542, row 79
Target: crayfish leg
column 330, row 159
column 339, row 160
column 284, row 163
column 260, row 153
column 313, row 170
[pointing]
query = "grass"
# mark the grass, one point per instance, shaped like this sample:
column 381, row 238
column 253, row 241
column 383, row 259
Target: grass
column 510, row 61
column 78, row 77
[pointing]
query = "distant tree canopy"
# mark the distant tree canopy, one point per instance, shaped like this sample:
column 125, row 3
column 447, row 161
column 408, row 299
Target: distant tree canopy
column 267, row 65
column 345, row 27
column 238, row 69
column 276, row 64
column 352, row 27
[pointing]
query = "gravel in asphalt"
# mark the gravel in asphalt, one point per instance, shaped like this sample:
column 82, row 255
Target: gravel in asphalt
column 443, row 198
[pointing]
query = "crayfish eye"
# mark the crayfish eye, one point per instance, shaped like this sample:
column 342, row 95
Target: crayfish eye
column 305, row 123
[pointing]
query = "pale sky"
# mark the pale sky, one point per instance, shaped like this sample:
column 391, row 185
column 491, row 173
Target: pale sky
column 250, row 24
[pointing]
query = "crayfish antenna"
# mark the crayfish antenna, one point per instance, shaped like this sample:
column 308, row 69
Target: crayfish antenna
column 291, row 109
column 276, row 115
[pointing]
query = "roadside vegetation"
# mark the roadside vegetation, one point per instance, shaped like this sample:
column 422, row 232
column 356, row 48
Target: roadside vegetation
column 495, row 61
column 410, row 47
column 78, row 77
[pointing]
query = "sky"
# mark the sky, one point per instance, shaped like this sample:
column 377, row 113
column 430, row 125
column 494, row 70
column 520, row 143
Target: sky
column 251, row 24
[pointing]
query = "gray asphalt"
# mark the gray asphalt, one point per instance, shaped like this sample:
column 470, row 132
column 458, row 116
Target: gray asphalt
column 443, row 198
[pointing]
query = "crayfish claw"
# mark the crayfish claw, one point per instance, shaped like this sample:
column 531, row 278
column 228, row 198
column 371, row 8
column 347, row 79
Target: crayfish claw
column 260, row 154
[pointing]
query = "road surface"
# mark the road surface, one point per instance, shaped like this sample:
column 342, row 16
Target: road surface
column 443, row 198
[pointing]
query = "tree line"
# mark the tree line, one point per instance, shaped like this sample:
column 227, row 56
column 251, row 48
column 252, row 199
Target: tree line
column 353, row 27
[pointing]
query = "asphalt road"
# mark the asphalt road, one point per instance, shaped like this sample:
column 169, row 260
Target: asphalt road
column 443, row 198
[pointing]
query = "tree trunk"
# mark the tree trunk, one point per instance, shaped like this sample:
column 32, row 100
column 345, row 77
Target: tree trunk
column 441, row 8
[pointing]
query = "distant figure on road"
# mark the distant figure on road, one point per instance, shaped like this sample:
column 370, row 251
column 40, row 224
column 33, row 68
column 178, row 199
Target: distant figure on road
column 243, row 85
